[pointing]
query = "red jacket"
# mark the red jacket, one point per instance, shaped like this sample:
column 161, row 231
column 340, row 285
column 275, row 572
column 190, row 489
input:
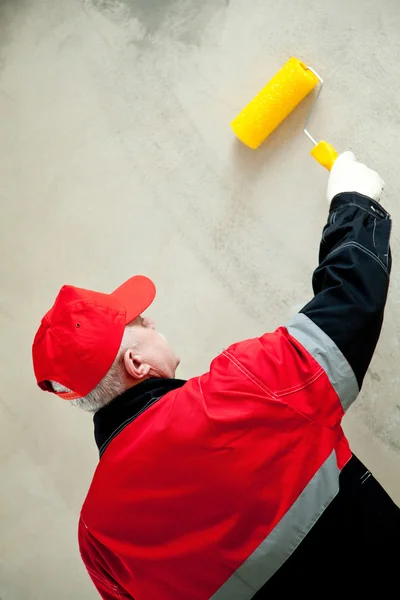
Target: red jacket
column 207, row 492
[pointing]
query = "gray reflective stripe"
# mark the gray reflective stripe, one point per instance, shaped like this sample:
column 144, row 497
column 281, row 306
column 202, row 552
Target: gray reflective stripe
column 328, row 355
column 285, row 537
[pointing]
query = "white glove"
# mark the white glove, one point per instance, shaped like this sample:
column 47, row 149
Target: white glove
column 348, row 175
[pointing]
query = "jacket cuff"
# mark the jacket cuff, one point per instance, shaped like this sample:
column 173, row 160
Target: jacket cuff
column 361, row 201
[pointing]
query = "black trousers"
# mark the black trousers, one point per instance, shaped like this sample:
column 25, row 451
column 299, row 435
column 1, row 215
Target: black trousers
column 354, row 548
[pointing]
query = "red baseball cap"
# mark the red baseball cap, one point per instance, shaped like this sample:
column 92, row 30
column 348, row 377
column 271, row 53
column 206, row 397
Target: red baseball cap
column 80, row 336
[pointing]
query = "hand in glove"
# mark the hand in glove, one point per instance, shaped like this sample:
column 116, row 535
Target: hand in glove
column 349, row 175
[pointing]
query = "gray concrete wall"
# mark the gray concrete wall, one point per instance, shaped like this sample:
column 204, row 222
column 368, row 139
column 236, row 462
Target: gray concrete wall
column 116, row 157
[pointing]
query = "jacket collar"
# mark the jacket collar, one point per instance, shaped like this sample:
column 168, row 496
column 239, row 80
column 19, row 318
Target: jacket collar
column 113, row 418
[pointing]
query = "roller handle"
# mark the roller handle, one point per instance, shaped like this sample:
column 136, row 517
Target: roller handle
column 325, row 154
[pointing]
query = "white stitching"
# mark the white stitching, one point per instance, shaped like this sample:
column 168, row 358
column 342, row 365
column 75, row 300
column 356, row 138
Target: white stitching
column 115, row 433
column 249, row 375
column 383, row 216
column 310, row 378
column 373, row 234
column 357, row 245
column 388, row 245
column 303, row 385
column 201, row 389
column 121, row 427
column 102, row 579
column 84, row 522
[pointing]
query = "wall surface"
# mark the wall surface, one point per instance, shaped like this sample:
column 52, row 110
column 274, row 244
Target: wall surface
column 116, row 157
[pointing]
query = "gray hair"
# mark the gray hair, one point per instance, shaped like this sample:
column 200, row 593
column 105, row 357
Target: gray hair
column 112, row 385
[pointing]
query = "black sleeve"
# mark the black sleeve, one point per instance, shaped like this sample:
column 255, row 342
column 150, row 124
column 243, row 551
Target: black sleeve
column 342, row 323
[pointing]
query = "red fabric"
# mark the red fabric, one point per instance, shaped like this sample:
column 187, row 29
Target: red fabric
column 80, row 336
column 186, row 492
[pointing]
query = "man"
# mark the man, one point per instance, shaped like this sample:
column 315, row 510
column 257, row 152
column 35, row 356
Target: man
column 238, row 483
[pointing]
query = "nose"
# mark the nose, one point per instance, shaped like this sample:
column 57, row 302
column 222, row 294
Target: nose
column 149, row 323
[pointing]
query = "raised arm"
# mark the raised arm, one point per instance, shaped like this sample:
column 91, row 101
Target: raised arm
column 341, row 325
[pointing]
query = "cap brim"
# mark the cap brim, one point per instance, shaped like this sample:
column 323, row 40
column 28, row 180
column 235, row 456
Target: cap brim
column 135, row 295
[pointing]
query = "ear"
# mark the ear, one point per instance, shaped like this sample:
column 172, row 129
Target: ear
column 135, row 366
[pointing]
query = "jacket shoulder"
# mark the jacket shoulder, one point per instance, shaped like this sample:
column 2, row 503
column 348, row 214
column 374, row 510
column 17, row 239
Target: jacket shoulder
column 274, row 362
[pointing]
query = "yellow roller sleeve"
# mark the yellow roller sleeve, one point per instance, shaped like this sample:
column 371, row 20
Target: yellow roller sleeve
column 273, row 104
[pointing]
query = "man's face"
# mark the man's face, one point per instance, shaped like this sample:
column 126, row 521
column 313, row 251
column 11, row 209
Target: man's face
column 154, row 348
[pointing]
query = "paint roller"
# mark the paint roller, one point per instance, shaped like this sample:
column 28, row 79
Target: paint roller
column 273, row 104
